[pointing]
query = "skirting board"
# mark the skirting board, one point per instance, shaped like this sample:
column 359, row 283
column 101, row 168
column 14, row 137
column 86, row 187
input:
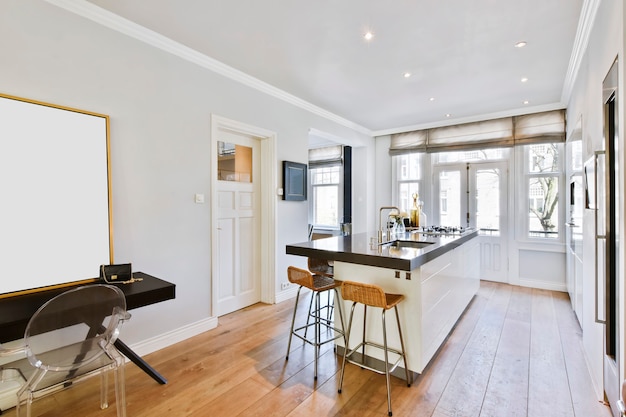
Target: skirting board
column 542, row 285
column 288, row 294
column 167, row 339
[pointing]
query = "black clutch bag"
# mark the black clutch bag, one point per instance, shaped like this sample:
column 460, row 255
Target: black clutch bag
column 112, row 274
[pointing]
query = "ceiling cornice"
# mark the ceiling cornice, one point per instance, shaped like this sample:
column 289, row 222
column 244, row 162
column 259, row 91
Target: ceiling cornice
column 472, row 119
column 112, row 21
column 585, row 24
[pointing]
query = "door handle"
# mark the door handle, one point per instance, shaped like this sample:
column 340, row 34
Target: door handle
column 600, row 241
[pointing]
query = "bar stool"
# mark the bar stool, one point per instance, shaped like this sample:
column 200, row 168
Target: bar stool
column 373, row 296
column 320, row 267
column 325, row 268
column 317, row 284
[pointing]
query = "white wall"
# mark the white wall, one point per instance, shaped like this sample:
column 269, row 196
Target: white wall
column 605, row 44
column 382, row 183
column 160, row 107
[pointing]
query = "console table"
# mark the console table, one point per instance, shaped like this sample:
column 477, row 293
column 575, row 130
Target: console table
column 16, row 311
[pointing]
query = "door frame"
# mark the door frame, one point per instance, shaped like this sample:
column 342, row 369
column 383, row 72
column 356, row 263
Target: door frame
column 267, row 214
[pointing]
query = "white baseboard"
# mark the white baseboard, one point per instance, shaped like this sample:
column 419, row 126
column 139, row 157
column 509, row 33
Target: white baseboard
column 289, row 293
column 542, row 285
column 178, row 335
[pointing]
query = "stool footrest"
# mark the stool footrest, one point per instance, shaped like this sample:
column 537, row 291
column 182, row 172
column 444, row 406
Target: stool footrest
column 338, row 333
column 376, row 345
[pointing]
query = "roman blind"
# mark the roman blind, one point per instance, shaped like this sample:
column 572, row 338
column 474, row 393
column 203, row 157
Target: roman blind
column 503, row 132
column 326, row 156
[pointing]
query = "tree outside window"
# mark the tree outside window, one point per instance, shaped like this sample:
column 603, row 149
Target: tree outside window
column 543, row 190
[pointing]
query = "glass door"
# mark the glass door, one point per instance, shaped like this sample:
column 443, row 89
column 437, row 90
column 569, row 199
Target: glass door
column 475, row 195
column 450, row 190
column 488, row 213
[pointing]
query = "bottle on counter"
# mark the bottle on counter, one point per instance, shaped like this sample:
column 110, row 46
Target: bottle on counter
column 422, row 216
column 415, row 212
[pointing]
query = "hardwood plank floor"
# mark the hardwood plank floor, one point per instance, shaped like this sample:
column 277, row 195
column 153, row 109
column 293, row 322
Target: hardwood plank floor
column 515, row 352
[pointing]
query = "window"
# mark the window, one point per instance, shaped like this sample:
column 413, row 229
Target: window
column 408, row 175
column 326, row 196
column 492, row 154
column 542, row 170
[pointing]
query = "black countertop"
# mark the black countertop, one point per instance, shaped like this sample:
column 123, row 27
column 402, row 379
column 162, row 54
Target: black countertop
column 358, row 249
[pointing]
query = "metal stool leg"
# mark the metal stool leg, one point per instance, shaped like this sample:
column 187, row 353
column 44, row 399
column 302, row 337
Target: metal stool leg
column 317, row 331
column 293, row 321
column 406, row 366
column 341, row 321
column 363, row 342
column 386, row 364
column 346, row 347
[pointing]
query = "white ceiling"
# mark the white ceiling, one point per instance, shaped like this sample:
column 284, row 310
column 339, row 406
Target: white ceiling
column 461, row 52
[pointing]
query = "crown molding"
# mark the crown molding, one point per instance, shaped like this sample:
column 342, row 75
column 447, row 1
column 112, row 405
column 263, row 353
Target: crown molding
column 472, row 119
column 583, row 32
column 119, row 24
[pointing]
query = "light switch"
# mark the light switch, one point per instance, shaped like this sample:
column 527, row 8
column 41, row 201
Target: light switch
column 199, row 198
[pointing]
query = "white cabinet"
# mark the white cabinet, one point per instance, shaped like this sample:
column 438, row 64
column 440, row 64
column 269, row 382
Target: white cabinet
column 436, row 294
column 574, row 267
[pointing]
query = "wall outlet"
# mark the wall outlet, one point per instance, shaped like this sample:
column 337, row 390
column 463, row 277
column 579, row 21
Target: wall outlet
column 284, row 285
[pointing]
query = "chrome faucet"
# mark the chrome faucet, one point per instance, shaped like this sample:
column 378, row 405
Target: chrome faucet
column 380, row 223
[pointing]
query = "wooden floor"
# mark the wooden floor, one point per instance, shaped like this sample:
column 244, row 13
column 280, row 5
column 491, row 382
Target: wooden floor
column 515, row 352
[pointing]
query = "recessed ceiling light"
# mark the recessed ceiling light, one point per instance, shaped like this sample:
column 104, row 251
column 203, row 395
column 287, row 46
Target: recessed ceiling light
column 368, row 36
column 520, row 44
column 448, row 115
column 525, row 101
column 524, row 79
column 432, row 99
column 406, row 74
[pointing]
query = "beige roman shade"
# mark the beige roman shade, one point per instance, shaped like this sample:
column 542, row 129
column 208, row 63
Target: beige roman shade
column 326, row 156
column 503, row 132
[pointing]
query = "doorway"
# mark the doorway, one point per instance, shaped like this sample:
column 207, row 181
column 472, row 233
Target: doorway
column 608, row 237
column 475, row 195
column 243, row 212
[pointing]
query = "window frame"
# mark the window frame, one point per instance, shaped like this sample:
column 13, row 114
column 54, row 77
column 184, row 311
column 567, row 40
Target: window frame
column 312, row 197
column 422, row 186
column 523, row 187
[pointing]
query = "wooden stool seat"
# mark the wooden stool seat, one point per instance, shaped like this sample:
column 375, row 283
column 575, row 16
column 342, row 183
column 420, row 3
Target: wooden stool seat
column 370, row 295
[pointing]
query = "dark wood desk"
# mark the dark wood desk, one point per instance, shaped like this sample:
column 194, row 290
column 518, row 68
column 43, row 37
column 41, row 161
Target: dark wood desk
column 15, row 312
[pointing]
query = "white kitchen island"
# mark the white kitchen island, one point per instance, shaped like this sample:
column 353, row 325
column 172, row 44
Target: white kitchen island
column 438, row 282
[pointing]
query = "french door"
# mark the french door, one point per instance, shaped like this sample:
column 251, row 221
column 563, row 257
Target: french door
column 475, row 195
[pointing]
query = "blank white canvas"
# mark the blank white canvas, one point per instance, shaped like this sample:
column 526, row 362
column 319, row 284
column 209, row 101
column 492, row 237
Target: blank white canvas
column 54, row 210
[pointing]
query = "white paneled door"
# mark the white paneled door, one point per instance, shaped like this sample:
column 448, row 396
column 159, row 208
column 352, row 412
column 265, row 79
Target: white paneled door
column 238, row 222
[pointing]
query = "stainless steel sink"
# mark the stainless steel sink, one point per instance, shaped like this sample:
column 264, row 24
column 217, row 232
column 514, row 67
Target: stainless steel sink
column 408, row 244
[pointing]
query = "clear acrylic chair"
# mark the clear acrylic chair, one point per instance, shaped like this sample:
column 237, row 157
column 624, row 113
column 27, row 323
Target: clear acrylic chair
column 11, row 378
column 71, row 337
